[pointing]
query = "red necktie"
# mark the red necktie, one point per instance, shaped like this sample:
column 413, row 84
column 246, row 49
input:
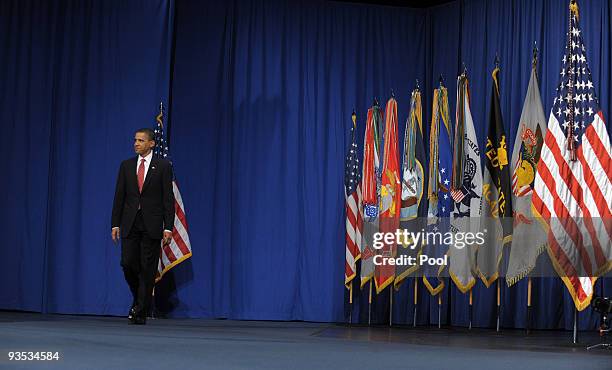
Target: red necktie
column 141, row 174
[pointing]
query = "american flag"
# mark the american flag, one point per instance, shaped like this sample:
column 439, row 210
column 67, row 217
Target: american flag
column 179, row 248
column 573, row 185
column 457, row 195
column 354, row 210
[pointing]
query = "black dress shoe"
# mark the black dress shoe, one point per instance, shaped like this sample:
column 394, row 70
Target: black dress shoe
column 140, row 320
column 132, row 315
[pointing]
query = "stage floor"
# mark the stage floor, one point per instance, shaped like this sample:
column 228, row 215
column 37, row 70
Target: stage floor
column 94, row 342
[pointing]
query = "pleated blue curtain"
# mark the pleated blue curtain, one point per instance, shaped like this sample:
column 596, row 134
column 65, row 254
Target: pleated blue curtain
column 261, row 95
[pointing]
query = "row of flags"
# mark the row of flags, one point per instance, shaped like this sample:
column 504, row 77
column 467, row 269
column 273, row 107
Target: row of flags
column 553, row 194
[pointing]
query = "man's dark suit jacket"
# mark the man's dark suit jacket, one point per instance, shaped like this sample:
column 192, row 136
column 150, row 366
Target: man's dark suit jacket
column 156, row 200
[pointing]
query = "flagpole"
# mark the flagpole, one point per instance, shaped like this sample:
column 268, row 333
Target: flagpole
column 534, row 66
column 153, row 305
column 161, row 112
column 354, row 119
column 470, row 311
column 571, row 145
column 370, row 305
column 390, row 305
column 498, row 303
column 414, row 314
column 351, row 303
column 528, row 325
column 575, row 336
column 439, row 310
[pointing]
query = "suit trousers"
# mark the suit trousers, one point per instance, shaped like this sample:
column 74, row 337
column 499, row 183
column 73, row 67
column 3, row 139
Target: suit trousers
column 139, row 260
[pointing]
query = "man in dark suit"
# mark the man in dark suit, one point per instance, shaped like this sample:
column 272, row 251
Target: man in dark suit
column 143, row 216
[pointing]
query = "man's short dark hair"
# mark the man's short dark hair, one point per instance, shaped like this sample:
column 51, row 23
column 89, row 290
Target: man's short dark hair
column 147, row 131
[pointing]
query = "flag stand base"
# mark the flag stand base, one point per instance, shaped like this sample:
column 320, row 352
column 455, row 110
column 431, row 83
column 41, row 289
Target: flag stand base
column 600, row 345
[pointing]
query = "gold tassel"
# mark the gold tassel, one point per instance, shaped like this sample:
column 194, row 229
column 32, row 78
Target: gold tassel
column 494, row 75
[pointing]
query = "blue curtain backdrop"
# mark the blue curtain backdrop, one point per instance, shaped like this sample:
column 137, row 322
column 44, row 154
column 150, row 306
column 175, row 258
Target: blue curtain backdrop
column 261, row 94
column 77, row 78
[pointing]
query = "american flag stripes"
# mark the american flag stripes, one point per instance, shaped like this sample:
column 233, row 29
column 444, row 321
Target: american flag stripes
column 457, row 195
column 179, row 248
column 573, row 184
column 354, row 210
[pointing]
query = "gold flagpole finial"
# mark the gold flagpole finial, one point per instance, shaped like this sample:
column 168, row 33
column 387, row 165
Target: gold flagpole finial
column 161, row 114
column 495, row 72
column 354, row 118
column 574, row 8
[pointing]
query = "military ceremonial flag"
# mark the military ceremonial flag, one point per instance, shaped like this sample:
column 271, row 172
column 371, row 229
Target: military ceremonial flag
column 528, row 242
column 413, row 209
column 466, row 188
column 497, row 199
column 389, row 195
column 573, row 184
column 439, row 200
column 354, row 214
column 370, row 183
column 179, row 248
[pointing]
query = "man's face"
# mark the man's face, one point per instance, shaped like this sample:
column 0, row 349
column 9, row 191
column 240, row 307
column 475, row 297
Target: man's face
column 142, row 144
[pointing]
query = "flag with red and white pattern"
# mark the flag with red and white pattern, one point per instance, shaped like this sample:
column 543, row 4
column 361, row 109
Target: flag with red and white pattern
column 573, row 184
column 354, row 211
column 179, row 248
